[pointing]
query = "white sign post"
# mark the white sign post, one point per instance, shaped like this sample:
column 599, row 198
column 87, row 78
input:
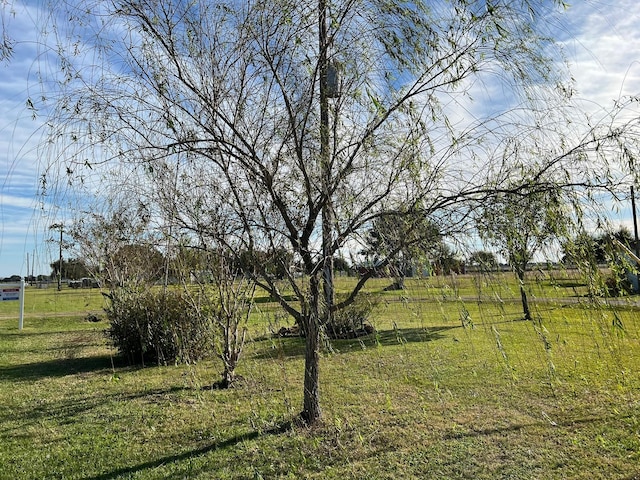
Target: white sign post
column 12, row 291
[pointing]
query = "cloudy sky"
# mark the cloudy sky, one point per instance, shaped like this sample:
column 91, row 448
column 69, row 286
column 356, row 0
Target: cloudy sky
column 601, row 41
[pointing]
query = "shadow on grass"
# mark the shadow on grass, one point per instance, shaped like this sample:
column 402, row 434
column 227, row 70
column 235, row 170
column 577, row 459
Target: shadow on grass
column 570, row 423
column 268, row 299
column 12, row 335
column 399, row 336
column 565, row 283
column 69, row 410
column 130, row 471
column 294, row 346
column 58, row 368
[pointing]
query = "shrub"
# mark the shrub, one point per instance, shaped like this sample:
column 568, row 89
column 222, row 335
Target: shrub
column 353, row 321
column 156, row 326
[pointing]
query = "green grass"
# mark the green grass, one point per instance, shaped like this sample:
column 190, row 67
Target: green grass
column 453, row 385
column 48, row 302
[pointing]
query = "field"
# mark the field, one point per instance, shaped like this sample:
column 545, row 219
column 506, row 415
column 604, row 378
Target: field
column 452, row 385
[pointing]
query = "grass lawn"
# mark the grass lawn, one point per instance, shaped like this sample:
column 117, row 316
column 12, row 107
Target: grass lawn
column 452, row 385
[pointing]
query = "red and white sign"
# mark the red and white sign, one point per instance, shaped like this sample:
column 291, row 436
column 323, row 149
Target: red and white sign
column 14, row 292
column 10, row 293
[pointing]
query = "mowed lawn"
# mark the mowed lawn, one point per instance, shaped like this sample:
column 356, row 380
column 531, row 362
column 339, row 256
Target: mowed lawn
column 452, row 385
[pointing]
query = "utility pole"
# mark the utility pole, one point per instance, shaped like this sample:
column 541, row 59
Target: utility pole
column 325, row 161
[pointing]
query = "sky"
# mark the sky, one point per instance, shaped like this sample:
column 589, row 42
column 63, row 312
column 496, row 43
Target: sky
column 600, row 39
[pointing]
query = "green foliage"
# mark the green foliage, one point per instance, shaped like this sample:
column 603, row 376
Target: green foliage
column 520, row 223
column 484, row 261
column 340, row 264
column 73, row 269
column 353, row 320
column 583, row 251
column 140, row 260
column 205, row 264
column 588, row 252
column 600, row 248
column 273, row 263
column 229, row 97
column 446, row 261
column 618, row 285
column 157, row 326
column 118, row 247
column 409, row 238
column 523, row 221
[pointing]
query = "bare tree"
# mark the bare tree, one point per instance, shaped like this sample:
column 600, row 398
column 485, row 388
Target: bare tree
column 225, row 297
column 271, row 125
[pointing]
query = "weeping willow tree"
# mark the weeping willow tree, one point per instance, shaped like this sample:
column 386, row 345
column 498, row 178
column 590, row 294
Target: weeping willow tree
column 416, row 240
column 522, row 224
column 263, row 126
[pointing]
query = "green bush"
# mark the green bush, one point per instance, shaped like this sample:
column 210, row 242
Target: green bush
column 353, row 320
column 157, row 327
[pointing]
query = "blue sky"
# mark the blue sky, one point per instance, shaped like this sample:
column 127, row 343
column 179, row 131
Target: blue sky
column 600, row 39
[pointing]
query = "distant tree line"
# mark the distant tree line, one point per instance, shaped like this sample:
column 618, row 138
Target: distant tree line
column 431, row 257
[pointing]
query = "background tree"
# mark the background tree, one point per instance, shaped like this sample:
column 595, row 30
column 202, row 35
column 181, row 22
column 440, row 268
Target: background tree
column 484, row 261
column 225, row 119
column 598, row 246
column 142, row 262
column 187, row 264
column 415, row 239
column 119, row 247
column 588, row 252
column 520, row 225
column 447, row 260
column 276, row 262
column 72, row 269
column 340, row 264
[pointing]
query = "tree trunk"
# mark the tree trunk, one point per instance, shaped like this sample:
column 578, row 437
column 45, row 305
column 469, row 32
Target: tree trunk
column 523, row 295
column 228, row 377
column 230, row 360
column 525, row 303
column 325, row 164
column 311, row 412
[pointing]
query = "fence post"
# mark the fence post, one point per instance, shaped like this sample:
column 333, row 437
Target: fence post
column 21, row 318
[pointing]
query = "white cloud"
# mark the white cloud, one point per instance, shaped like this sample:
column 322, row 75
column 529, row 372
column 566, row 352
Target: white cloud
column 15, row 202
column 604, row 51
